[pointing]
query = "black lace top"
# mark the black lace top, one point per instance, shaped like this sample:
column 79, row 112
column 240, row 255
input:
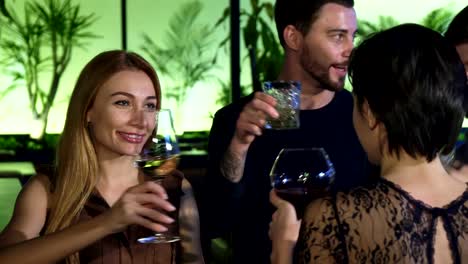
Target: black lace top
column 380, row 224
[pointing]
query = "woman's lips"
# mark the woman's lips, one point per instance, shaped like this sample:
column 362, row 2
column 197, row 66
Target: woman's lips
column 132, row 137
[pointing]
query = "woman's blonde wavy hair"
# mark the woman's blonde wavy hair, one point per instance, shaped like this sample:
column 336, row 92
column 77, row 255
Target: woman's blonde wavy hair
column 76, row 172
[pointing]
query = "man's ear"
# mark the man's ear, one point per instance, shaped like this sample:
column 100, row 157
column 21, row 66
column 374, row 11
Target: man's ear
column 372, row 122
column 292, row 37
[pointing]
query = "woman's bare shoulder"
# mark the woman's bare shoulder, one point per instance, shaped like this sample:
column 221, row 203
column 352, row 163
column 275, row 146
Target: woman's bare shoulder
column 30, row 211
column 39, row 186
column 41, row 179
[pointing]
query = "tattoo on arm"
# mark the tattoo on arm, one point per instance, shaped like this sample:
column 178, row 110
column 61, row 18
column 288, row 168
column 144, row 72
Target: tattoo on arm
column 232, row 166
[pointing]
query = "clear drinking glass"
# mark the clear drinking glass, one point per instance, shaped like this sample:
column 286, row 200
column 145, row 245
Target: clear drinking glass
column 159, row 157
column 300, row 175
column 288, row 99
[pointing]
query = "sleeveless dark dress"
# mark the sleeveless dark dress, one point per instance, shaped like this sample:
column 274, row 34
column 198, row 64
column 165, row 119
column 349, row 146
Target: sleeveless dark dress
column 123, row 247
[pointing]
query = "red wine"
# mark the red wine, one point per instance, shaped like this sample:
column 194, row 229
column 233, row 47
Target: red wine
column 302, row 175
column 301, row 196
column 296, row 196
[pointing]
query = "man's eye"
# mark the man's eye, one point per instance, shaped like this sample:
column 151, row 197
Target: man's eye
column 122, row 103
column 339, row 37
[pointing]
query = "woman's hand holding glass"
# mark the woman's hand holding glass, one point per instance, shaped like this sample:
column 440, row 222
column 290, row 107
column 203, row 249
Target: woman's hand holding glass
column 143, row 205
column 284, row 226
column 298, row 176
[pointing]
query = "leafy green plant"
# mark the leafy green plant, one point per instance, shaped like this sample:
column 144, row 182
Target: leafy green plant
column 184, row 56
column 367, row 28
column 259, row 35
column 40, row 43
column 437, row 20
column 23, row 143
column 9, row 143
column 224, row 94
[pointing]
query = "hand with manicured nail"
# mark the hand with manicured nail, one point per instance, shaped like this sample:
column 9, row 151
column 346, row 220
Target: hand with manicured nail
column 143, row 205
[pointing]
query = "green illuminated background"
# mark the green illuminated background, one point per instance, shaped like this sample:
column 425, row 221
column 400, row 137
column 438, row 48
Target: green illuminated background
column 152, row 17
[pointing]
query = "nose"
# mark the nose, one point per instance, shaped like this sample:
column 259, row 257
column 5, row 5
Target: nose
column 348, row 46
column 139, row 118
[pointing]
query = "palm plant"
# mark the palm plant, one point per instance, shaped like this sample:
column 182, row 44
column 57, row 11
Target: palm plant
column 40, row 43
column 224, row 94
column 367, row 28
column 437, row 20
column 259, row 38
column 183, row 57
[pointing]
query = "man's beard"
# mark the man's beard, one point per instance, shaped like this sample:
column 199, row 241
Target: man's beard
column 323, row 78
column 321, row 73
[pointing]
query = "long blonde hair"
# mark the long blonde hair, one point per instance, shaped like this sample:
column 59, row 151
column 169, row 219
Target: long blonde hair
column 76, row 172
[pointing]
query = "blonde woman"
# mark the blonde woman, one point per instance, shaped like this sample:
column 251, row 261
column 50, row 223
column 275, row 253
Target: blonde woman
column 97, row 203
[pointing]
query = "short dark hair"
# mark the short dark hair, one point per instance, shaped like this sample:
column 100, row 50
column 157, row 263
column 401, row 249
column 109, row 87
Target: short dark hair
column 457, row 31
column 301, row 13
column 413, row 81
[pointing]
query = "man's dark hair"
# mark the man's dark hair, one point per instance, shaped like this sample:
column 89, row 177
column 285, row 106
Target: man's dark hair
column 301, row 13
column 457, row 31
column 413, row 81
